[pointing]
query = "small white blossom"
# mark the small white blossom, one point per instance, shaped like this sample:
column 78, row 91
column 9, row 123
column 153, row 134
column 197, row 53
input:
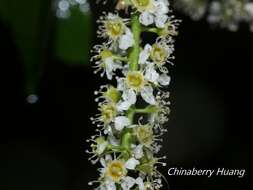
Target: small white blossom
column 146, row 18
column 121, row 122
column 131, row 163
column 127, row 183
column 129, row 98
column 164, row 79
column 139, row 182
column 147, row 95
column 138, row 151
column 151, row 74
column 249, row 8
column 101, row 147
column 160, row 20
column 126, row 41
column 145, row 53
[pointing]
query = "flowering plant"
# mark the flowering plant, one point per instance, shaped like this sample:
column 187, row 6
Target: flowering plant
column 132, row 113
column 224, row 13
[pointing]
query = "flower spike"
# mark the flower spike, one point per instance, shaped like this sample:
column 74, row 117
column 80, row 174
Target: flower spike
column 132, row 114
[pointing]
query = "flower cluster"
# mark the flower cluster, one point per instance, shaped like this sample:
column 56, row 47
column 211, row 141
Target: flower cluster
column 196, row 9
column 133, row 111
column 63, row 7
column 229, row 14
column 224, row 13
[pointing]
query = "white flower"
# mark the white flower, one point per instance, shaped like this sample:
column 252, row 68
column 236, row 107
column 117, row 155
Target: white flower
column 120, row 84
column 110, row 185
column 151, row 74
column 129, row 98
column 135, row 81
column 112, row 27
column 160, row 20
column 249, row 8
column 126, row 40
column 110, row 67
column 147, row 95
column 101, row 147
column 131, row 163
column 127, row 183
column 139, row 182
column 146, row 18
column 164, row 79
column 121, row 122
column 138, row 151
column 144, row 55
column 104, row 61
column 155, row 15
column 161, row 7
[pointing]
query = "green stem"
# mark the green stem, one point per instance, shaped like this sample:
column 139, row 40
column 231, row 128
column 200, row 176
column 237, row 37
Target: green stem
column 130, row 115
column 134, row 54
column 146, row 29
column 120, row 58
column 147, row 110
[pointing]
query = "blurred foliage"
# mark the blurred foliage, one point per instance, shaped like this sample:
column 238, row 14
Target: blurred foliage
column 73, row 38
column 31, row 22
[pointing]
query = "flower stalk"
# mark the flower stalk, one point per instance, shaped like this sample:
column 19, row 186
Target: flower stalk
column 129, row 129
column 134, row 55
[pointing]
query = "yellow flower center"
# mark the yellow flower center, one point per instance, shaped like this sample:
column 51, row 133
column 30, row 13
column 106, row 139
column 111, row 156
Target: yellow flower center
column 108, row 112
column 148, row 186
column 168, row 30
column 114, row 28
column 115, row 170
column 105, row 54
column 158, row 54
column 142, row 5
column 135, row 80
column 145, row 135
column 113, row 94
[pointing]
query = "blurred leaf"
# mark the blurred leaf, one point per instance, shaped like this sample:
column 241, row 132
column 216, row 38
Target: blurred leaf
column 30, row 22
column 27, row 19
column 73, row 38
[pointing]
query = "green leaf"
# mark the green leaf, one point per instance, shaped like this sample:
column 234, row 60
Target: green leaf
column 31, row 21
column 27, row 20
column 73, row 38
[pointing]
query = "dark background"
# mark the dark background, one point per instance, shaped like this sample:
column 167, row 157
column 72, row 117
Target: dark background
column 43, row 144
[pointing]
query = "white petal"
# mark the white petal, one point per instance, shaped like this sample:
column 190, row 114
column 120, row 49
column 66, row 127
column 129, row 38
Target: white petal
column 164, row 79
column 138, row 151
column 131, row 163
column 146, row 18
column 147, row 95
column 139, row 182
column 120, row 84
column 126, row 40
column 249, row 8
column 144, row 55
column 121, row 122
column 101, row 147
column 123, row 105
column 151, row 74
column 109, row 67
column 103, row 163
column 127, row 183
column 161, row 7
column 108, row 157
column 160, row 20
column 110, row 185
column 129, row 98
